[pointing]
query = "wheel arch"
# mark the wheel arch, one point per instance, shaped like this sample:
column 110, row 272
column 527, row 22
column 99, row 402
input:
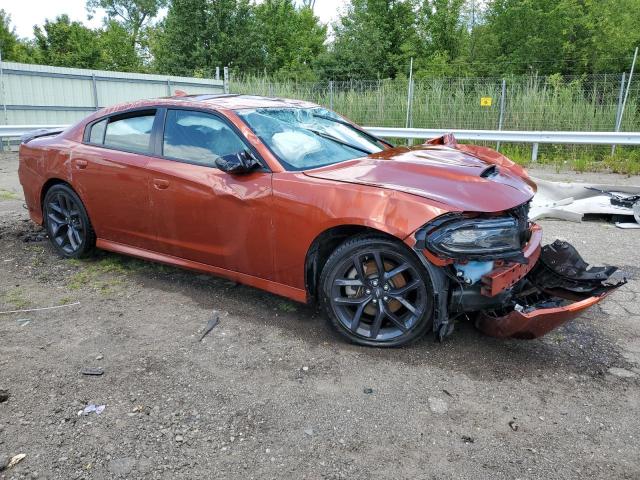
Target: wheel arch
column 324, row 244
column 50, row 183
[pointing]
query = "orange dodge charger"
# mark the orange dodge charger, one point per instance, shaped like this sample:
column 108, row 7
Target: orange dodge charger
column 292, row 198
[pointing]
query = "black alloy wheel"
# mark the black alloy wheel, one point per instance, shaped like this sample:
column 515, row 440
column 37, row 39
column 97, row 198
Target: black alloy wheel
column 377, row 293
column 67, row 222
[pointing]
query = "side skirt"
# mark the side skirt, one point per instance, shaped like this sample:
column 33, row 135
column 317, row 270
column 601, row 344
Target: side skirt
column 293, row 293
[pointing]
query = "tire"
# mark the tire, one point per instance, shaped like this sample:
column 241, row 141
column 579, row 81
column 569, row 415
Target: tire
column 367, row 309
column 67, row 222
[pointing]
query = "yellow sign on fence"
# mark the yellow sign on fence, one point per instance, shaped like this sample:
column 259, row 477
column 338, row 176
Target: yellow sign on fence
column 486, row 101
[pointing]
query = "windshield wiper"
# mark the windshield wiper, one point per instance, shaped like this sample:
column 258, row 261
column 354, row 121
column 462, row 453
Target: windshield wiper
column 328, row 136
column 347, row 124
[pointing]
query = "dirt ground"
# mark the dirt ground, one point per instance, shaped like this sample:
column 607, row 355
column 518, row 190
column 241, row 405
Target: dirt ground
column 272, row 393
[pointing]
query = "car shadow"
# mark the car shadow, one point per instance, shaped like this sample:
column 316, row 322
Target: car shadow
column 580, row 346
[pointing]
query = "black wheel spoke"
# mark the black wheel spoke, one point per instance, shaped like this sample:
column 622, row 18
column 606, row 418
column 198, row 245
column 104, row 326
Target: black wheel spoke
column 379, row 264
column 377, row 322
column 352, row 300
column 349, row 282
column 402, row 291
column 396, row 321
column 60, row 238
column 56, row 218
column 76, row 235
column 57, row 208
column 357, row 263
column 72, row 239
column 355, row 321
column 405, row 303
column 396, row 271
column 62, row 202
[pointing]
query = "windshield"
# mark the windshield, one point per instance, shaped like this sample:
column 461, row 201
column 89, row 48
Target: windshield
column 304, row 138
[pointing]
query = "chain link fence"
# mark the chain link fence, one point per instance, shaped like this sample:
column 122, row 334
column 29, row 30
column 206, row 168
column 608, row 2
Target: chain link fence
column 573, row 103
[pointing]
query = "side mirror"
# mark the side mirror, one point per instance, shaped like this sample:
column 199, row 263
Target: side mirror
column 237, row 163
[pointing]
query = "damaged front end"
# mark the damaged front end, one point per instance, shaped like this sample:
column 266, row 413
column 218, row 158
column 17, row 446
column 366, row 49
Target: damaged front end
column 515, row 288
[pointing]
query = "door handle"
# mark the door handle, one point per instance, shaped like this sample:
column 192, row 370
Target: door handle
column 160, row 184
column 82, row 164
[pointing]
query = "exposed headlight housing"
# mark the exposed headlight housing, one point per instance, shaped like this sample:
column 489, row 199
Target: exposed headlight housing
column 476, row 238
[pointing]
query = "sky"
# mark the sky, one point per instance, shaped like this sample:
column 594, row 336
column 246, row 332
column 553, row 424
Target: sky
column 27, row 13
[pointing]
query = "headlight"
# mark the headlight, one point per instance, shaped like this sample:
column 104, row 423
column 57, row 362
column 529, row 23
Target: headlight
column 473, row 238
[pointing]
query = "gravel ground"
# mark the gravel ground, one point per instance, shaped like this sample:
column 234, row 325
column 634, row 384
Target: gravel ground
column 272, row 393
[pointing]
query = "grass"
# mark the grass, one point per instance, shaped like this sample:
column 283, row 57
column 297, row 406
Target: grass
column 16, row 298
column 585, row 103
column 92, row 274
column 106, row 271
column 7, row 195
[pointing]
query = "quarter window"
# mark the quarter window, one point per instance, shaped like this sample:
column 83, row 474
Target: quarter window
column 198, row 137
column 97, row 132
column 130, row 133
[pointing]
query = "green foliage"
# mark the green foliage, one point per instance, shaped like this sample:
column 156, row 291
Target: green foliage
column 13, row 49
column 374, row 39
column 132, row 15
column 291, row 38
column 117, row 51
column 70, row 44
column 198, row 35
column 67, row 44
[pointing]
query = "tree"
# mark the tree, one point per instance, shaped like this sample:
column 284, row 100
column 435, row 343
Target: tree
column 198, row 35
column 133, row 15
column 443, row 37
column 291, row 38
column 67, row 44
column 116, row 51
column 375, row 39
column 13, row 49
column 520, row 36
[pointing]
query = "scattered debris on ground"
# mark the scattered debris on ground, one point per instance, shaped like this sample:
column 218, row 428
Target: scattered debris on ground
column 92, row 408
column 215, row 319
column 572, row 201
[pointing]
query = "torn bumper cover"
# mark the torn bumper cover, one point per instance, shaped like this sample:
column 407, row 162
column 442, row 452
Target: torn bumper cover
column 558, row 289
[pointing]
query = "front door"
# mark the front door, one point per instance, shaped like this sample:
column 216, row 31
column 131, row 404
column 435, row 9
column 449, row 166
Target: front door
column 202, row 213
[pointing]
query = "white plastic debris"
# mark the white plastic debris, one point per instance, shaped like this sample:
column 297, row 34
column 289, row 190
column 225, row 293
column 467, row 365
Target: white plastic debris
column 571, row 201
column 16, row 459
column 98, row 409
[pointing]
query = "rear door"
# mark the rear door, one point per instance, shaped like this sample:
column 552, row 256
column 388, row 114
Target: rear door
column 202, row 213
column 109, row 170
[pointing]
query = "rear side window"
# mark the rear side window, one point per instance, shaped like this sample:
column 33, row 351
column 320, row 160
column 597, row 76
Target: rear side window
column 131, row 133
column 198, row 137
column 97, row 132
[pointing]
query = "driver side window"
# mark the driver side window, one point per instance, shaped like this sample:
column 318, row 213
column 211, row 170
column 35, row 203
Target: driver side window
column 198, row 137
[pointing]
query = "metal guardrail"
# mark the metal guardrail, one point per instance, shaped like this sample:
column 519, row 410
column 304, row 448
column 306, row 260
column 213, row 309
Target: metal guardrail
column 534, row 138
column 16, row 131
column 510, row 136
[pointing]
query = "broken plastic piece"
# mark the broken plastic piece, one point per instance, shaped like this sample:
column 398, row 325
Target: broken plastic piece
column 16, row 459
column 211, row 325
column 560, row 287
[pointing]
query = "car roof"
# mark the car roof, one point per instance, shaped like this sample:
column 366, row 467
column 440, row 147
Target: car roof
column 233, row 101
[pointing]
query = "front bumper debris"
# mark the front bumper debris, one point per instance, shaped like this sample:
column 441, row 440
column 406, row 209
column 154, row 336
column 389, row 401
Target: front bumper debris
column 558, row 289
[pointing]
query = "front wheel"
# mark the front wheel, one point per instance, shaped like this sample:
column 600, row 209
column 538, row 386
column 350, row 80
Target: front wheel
column 377, row 293
column 67, row 222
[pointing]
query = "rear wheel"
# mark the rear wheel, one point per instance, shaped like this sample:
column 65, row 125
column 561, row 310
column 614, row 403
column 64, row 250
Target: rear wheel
column 376, row 293
column 67, row 222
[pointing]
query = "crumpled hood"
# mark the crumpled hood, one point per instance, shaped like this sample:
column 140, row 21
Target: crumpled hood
column 446, row 175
